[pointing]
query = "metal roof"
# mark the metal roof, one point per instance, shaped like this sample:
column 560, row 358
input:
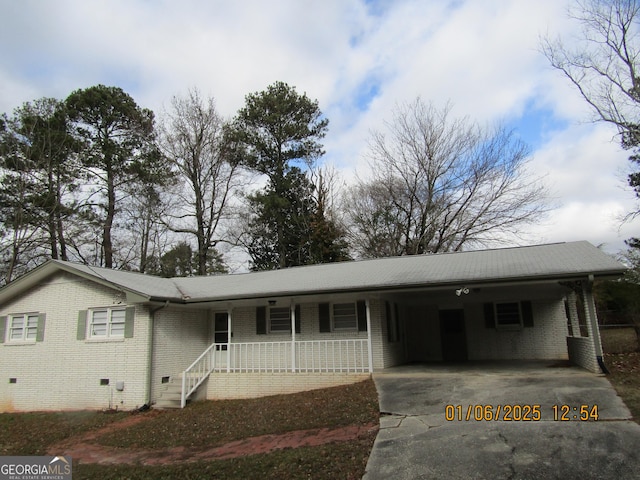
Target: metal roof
column 552, row 261
column 556, row 261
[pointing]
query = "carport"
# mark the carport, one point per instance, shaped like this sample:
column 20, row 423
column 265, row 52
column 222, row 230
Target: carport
column 515, row 304
column 418, row 437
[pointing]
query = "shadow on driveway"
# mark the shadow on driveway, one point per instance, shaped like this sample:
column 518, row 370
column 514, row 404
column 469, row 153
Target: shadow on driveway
column 494, row 420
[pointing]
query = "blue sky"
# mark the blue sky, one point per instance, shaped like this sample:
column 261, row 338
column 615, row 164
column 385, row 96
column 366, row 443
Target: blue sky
column 358, row 58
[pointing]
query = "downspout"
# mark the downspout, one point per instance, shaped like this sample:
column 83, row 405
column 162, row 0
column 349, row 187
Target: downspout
column 152, row 314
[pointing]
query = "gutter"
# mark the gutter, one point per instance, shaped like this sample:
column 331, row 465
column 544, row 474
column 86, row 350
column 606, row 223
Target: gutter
column 485, row 283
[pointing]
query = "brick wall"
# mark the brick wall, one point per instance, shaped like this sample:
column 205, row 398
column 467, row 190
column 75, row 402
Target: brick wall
column 582, row 352
column 253, row 385
column 545, row 340
column 62, row 372
column 180, row 335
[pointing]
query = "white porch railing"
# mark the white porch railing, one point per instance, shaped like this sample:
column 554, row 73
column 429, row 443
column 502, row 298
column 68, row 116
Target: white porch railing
column 321, row 356
column 196, row 373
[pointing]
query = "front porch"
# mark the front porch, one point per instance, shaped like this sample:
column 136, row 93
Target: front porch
column 311, row 357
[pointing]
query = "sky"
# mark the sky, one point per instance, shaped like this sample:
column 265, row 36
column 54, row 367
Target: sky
column 359, row 59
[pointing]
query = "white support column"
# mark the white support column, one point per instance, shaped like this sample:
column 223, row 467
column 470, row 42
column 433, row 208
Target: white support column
column 229, row 310
column 370, row 356
column 592, row 318
column 573, row 314
column 293, row 337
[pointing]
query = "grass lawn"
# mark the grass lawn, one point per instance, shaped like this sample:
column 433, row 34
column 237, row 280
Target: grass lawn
column 217, row 422
column 622, row 358
column 213, row 423
column 32, row 433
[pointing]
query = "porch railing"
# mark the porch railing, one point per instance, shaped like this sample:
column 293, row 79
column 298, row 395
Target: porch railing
column 320, row 356
column 344, row 356
column 196, row 373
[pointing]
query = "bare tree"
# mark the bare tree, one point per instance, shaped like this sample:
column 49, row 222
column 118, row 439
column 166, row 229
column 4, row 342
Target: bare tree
column 192, row 138
column 604, row 69
column 604, row 66
column 441, row 184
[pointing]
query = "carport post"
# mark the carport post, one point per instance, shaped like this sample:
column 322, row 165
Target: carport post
column 229, row 339
column 592, row 319
column 293, row 337
column 370, row 354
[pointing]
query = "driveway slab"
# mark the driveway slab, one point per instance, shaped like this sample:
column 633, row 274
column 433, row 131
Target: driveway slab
column 485, row 433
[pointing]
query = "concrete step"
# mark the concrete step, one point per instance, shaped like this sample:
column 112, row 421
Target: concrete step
column 172, row 394
column 164, row 403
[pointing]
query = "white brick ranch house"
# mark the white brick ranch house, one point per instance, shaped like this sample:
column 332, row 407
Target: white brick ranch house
column 74, row 336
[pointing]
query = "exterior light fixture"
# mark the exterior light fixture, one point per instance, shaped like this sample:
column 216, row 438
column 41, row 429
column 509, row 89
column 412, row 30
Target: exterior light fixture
column 462, row 290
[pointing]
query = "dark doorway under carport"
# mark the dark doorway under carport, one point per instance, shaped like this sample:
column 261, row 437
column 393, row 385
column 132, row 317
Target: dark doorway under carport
column 453, row 335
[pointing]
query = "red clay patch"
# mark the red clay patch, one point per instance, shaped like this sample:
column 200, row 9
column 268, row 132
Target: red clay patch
column 84, row 449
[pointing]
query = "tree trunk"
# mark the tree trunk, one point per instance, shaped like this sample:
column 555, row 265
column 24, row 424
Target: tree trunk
column 107, row 244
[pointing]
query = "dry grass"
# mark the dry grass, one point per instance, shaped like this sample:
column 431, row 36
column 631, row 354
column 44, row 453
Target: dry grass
column 623, row 360
column 32, row 433
column 619, row 340
column 212, row 423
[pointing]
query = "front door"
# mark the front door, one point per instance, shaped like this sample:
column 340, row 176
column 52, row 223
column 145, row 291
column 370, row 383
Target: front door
column 452, row 333
column 221, row 330
column 221, row 339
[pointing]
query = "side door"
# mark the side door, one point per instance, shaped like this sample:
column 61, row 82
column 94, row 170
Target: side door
column 453, row 335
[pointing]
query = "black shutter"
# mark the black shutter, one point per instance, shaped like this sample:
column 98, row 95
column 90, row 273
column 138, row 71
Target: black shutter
column 261, row 320
column 489, row 316
column 297, row 318
column 395, row 306
column 527, row 314
column 362, row 316
column 324, row 317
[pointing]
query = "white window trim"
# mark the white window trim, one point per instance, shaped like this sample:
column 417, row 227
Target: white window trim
column 354, row 328
column 23, row 338
column 508, row 327
column 108, row 325
column 278, row 332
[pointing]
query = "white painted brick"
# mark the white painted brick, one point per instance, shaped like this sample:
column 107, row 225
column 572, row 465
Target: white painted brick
column 254, row 385
column 64, row 373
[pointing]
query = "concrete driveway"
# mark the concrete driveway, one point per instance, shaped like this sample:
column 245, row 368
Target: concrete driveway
column 420, row 437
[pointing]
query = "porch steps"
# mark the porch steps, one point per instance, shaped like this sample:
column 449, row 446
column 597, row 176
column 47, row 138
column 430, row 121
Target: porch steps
column 171, row 395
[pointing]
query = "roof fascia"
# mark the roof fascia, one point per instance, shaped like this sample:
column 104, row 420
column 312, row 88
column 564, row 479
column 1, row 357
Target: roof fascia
column 381, row 290
column 40, row 273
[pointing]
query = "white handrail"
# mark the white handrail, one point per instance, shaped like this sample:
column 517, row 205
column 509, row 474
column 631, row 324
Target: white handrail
column 196, row 373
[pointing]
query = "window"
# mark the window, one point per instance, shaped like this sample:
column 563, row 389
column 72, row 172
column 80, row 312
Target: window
column 276, row 320
column 23, row 327
column 345, row 316
column 342, row 317
column 107, row 323
column 508, row 315
column 279, row 320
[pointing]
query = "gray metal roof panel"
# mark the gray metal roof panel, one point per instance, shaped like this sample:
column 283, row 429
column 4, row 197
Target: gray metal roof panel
column 541, row 261
column 552, row 261
column 145, row 285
